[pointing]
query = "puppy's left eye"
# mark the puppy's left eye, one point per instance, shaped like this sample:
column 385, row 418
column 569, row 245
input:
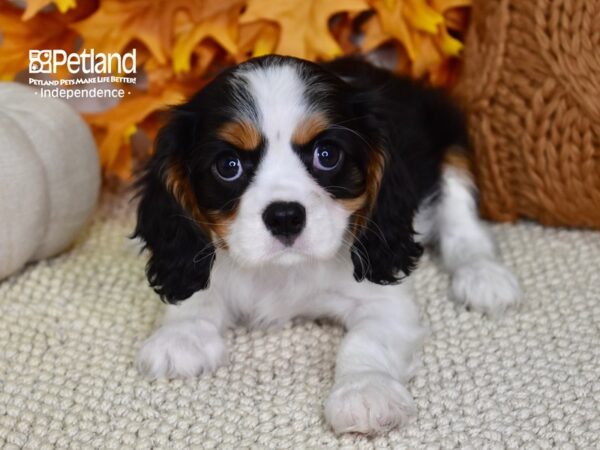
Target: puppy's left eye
column 326, row 157
column 228, row 167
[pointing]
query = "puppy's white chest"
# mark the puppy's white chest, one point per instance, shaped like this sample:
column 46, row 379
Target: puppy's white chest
column 272, row 295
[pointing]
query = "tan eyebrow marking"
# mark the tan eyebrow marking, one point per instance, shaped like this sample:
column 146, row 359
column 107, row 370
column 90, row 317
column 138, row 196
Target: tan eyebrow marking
column 309, row 128
column 243, row 135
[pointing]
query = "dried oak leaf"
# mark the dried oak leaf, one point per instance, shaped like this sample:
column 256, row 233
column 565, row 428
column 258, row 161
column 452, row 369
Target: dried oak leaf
column 304, row 24
column 219, row 25
column 117, row 23
column 420, row 27
column 114, row 128
column 45, row 31
column 35, row 6
column 257, row 38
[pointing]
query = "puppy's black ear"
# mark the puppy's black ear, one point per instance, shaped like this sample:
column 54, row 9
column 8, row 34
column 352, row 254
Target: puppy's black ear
column 181, row 253
column 385, row 250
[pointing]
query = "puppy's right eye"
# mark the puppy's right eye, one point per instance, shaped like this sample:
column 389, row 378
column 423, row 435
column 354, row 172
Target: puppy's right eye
column 326, row 157
column 228, row 167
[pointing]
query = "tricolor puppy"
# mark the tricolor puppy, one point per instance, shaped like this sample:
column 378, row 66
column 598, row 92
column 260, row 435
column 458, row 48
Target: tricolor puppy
column 286, row 188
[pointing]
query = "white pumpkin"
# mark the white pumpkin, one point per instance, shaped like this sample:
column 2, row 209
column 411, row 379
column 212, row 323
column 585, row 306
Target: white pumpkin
column 49, row 176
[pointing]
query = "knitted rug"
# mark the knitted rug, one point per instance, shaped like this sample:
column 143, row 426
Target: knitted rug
column 70, row 328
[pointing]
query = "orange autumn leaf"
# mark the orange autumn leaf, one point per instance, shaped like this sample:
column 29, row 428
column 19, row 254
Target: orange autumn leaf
column 344, row 32
column 390, row 21
column 18, row 37
column 115, row 127
column 117, row 23
column 405, row 19
column 256, row 38
column 304, row 24
column 35, row 6
column 427, row 56
column 206, row 55
column 446, row 5
column 420, row 27
column 222, row 27
column 457, row 19
column 163, row 76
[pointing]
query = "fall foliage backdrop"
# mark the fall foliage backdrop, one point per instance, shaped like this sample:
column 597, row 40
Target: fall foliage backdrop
column 181, row 44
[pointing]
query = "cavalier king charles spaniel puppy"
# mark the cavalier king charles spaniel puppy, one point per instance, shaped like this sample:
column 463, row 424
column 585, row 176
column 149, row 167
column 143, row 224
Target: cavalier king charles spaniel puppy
column 285, row 189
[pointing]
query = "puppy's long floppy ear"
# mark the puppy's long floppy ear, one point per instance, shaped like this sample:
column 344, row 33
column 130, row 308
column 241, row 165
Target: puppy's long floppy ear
column 385, row 250
column 181, row 253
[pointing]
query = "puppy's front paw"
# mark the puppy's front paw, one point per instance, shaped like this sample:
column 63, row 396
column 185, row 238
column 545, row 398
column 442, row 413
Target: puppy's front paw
column 368, row 403
column 181, row 350
column 486, row 286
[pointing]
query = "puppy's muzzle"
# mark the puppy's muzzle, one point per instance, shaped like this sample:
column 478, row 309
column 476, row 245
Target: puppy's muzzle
column 285, row 221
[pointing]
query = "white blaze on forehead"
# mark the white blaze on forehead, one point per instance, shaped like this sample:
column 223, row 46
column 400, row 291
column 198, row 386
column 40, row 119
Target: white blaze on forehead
column 278, row 93
column 279, row 96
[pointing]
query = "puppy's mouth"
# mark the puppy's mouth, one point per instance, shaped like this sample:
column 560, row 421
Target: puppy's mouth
column 287, row 252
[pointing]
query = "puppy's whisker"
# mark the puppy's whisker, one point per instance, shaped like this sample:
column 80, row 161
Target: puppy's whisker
column 197, row 260
column 378, row 232
column 339, row 187
column 228, row 203
column 356, row 133
column 197, row 222
column 352, row 119
column 358, row 248
column 214, row 243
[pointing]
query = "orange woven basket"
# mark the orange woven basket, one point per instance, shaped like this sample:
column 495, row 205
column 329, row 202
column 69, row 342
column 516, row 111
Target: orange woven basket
column 531, row 89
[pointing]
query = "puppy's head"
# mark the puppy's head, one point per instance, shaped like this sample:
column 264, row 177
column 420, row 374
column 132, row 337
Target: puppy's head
column 277, row 161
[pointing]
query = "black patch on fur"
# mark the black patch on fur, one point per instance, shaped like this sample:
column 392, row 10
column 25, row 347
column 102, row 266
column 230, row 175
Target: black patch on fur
column 413, row 125
column 181, row 252
column 348, row 179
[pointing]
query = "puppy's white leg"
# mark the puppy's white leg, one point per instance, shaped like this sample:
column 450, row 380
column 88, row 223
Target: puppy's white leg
column 189, row 340
column 466, row 249
column 374, row 361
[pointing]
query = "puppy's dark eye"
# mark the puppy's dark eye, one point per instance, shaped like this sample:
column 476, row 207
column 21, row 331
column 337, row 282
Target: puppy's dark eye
column 228, row 167
column 326, row 157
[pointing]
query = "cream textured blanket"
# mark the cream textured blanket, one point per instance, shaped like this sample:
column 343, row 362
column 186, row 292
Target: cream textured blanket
column 70, row 327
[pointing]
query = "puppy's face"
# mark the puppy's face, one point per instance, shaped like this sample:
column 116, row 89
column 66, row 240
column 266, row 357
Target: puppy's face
column 280, row 169
column 271, row 162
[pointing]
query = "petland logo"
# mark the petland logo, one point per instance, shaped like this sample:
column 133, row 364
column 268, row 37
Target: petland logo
column 87, row 62
column 88, row 68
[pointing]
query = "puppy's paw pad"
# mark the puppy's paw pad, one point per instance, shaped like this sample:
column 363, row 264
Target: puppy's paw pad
column 486, row 286
column 181, row 351
column 370, row 403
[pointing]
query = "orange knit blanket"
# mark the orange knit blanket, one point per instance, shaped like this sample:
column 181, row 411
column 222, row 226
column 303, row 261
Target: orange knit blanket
column 531, row 89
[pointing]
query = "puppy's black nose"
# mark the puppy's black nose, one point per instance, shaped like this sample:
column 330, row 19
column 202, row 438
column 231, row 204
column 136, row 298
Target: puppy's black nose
column 285, row 220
